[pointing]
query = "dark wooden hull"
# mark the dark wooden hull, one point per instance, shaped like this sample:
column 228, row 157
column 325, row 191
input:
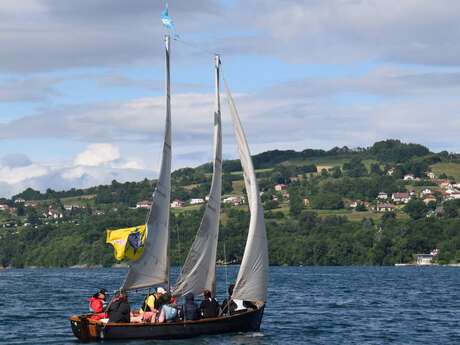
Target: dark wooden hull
column 90, row 330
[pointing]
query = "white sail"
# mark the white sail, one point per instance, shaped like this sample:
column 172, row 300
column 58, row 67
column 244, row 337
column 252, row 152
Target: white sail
column 153, row 266
column 251, row 282
column 199, row 270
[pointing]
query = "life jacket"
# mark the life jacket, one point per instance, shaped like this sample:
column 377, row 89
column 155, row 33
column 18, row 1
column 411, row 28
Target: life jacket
column 145, row 307
column 95, row 305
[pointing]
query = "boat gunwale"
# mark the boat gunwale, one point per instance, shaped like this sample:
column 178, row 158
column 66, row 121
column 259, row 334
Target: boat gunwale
column 78, row 318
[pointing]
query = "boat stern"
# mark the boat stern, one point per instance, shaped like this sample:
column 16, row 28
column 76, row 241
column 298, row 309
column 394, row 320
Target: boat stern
column 83, row 328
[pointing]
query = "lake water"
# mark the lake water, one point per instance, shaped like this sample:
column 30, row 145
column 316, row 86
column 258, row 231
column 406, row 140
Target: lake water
column 307, row 305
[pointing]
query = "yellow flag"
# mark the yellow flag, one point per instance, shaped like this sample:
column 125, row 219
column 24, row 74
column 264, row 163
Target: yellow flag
column 127, row 242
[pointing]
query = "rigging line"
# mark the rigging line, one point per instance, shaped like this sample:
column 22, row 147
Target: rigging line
column 225, row 267
column 195, row 46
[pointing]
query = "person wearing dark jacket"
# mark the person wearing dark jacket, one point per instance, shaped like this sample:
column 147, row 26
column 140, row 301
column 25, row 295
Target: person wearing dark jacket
column 191, row 311
column 119, row 310
column 228, row 305
column 209, row 307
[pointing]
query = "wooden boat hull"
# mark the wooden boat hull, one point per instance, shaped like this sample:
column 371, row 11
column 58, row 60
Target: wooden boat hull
column 89, row 330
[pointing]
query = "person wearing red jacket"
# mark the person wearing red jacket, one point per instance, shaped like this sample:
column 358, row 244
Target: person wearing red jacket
column 96, row 305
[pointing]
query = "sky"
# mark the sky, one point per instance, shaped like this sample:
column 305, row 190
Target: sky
column 82, row 82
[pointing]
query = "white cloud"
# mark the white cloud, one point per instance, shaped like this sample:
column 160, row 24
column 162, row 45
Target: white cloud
column 97, row 164
column 97, row 154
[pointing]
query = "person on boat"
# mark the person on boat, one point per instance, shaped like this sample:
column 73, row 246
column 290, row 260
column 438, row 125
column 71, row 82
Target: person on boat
column 150, row 308
column 228, row 305
column 191, row 310
column 97, row 303
column 169, row 308
column 209, row 307
column 119, row 310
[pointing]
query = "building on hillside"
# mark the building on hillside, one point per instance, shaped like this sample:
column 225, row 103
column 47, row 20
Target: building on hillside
column 71, row 207
column 19, row 201
column 409, row 177
column 306, row 202
column 354, row 203
column 4, row 207
column 196, row 201
column 426, row 259
column 144, row 204
column 391, row 171
column 444, row 184
column 30, row 204
column 400, row 197
column 177, row 203
column 233, row 200
column 429, row 198
column 385, row 207
column 431, row 175
column 54, row 214
column 453, row 196
column 426, row 191
column 382, row 196
column 280, row 187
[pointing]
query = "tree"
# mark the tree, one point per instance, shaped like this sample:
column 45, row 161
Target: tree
column 336, row 172
column 355, row 168
column 451, row 208
column 360, row 207
column 327, row 201
column 375, row 169
column 295, row 203
column 416, row 209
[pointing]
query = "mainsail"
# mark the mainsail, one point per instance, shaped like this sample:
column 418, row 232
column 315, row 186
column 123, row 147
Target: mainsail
column 198, row 272
column 251, row 282
column 153, row 266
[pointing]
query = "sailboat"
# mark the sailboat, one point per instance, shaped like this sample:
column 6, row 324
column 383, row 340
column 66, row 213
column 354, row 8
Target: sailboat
column 152, row 269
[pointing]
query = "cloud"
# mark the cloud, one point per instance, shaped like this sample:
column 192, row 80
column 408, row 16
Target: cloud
column 28, row 89
column 97, row 164
column 340, row 31
column 97, row 154
column 15, row 160
column 44, row 35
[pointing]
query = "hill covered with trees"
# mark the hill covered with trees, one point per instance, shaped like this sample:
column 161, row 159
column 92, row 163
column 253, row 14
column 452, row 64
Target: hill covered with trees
column 368, row 206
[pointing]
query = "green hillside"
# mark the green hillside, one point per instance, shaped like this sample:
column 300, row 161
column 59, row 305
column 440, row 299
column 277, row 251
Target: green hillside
column 321, row 208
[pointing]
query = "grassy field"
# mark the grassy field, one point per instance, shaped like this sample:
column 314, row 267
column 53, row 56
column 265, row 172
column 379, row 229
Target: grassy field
column 79, row 200
column 327, row 163
column 351, row 215
column 450, row 169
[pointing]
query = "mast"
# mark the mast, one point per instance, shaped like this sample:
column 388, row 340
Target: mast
column 199, row 269
column 168, row 119
column 153, row 267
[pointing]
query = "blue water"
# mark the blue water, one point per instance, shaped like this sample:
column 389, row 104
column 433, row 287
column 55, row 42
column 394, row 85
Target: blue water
column 307, row 305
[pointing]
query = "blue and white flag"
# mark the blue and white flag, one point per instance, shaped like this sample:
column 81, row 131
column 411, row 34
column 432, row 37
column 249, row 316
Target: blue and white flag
column 167, row 21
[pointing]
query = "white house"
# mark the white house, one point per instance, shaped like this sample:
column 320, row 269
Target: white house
column 196, row 201
column 144, row 204
column 280, row 187
column 400, row 198
column 426, row 191
column 409, row 177
column 382, row 196
column 429, row 198
column 233, row 200
column 19, row 201
column 384, row 207
column 177, row 204
column 431, row 175
column 4, row 207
